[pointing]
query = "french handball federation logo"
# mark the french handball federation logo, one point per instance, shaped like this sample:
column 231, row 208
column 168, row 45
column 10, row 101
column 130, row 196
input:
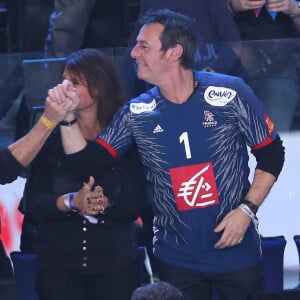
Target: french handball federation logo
column 209, row 119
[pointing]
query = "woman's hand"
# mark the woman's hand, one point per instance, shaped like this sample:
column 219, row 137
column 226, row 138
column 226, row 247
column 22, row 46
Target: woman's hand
column 91, row 201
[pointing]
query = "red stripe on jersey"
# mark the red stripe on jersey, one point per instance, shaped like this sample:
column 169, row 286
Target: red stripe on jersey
column 109, row 148
column 264, row 143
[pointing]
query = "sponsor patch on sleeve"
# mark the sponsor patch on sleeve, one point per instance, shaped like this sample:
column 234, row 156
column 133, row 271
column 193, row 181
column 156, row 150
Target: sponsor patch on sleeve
column 141, row 107
column 218, row 96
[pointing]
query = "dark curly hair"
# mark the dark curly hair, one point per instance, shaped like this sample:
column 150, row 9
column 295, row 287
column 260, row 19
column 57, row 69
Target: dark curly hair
column 97, row 70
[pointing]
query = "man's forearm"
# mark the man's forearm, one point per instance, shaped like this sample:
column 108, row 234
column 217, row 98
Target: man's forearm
column 26, row 148
column 261, row 186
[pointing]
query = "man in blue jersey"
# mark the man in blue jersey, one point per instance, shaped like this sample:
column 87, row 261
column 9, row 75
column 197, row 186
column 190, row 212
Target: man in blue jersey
column 192, row 131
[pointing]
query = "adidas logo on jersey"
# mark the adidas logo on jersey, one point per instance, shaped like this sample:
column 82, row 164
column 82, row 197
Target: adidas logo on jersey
column 157, row 129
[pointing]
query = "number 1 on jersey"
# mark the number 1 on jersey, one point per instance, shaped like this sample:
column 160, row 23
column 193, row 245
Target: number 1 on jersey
column 185, row 139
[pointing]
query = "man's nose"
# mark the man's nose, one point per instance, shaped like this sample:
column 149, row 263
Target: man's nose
column 134, row 51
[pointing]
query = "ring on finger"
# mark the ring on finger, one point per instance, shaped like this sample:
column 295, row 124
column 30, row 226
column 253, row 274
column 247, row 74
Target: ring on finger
column 101, row 210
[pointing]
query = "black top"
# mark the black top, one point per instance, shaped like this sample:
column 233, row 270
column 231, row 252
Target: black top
column 68, row 239
column 10, row 168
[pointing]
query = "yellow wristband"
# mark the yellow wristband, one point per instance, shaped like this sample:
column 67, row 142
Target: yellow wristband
column 47, row 123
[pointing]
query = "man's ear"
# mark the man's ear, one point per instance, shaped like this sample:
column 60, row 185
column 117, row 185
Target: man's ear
column 174, row 54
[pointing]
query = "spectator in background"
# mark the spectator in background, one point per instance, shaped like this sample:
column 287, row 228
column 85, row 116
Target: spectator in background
column 157, row 291
column 65, row 35
column 270, row 53
column 85, row 23
column 214, row 29
column 29, row 24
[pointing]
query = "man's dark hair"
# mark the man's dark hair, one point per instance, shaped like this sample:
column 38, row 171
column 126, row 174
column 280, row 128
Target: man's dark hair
column 160, row 290
column 177, row 30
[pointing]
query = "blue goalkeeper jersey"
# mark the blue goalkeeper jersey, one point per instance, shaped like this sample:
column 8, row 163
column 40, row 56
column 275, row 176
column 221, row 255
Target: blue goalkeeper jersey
column 195, row 157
